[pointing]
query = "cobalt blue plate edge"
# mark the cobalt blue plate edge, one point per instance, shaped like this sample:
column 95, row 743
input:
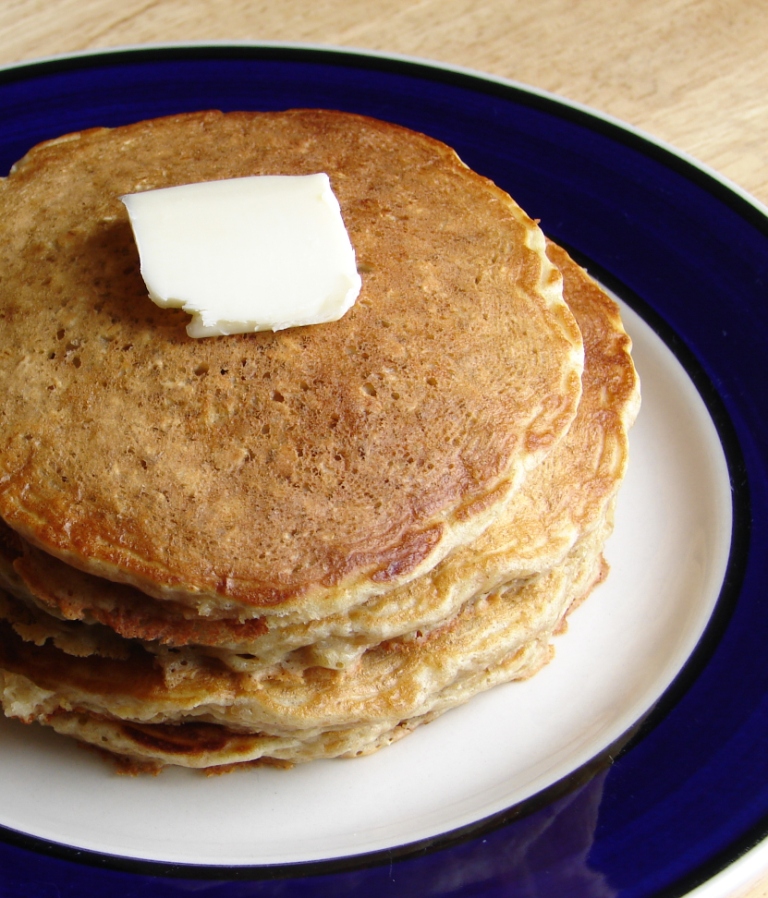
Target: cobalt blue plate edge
column 687, row 795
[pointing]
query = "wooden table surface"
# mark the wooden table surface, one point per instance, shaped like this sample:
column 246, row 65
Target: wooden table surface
column 693, row 73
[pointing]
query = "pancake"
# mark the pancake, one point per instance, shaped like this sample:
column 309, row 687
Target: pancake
column 292, row 473
column 480, row 618
column 278, row 547
column 562, row 499
column 294, row 715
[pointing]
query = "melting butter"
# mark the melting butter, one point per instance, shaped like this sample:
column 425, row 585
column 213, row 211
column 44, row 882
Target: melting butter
column 267, row 252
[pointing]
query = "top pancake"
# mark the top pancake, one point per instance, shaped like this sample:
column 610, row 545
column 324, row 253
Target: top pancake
column 273, row 470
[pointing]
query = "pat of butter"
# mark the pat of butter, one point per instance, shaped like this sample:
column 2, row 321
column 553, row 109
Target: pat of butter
column 246, row 254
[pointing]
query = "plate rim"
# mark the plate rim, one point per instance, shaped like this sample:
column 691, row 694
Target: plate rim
column 690, row 164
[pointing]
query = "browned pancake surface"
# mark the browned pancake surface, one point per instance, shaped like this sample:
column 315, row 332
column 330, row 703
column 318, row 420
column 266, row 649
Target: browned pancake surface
column 196, row 709
column 259, row 468
column 564, row 497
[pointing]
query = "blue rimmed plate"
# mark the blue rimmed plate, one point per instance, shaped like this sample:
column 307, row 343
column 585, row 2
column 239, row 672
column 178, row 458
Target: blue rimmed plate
column 633, row 765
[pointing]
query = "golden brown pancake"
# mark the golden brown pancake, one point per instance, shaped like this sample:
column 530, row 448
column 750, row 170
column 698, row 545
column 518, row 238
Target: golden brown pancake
column 280, row 547
column 480, row 618
column 294, row 472
column 293, row 714
column 565, row 497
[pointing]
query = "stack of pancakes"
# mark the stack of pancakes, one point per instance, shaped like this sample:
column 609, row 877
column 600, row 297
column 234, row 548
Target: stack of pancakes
column 286, row 546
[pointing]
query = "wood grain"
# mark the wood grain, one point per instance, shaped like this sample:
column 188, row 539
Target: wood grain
column 693, row 73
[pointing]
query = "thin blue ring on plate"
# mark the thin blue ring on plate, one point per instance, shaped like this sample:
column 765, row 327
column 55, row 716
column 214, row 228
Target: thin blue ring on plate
column 689, row 793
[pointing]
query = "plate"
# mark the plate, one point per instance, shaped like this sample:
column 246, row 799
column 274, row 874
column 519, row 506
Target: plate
column 653, row 778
